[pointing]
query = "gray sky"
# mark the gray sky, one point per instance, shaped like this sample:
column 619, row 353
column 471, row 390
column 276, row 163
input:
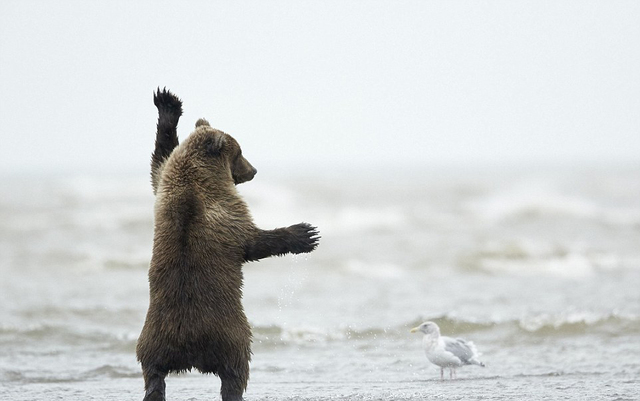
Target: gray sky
column 322, row 83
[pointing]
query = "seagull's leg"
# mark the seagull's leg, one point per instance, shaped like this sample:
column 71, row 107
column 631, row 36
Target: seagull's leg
column 441, row 373
column 455, row 373
column 450, row 373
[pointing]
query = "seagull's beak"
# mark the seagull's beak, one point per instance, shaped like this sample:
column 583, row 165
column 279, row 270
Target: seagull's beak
column 413, row 330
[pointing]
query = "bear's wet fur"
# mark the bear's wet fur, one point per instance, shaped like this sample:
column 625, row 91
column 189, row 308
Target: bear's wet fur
column 203, row 234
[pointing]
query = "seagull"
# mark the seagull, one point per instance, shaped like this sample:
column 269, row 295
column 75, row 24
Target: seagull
column 447, row 352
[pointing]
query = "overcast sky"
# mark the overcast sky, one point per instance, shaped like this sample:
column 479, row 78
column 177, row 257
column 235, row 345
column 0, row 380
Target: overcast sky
column 322, row 82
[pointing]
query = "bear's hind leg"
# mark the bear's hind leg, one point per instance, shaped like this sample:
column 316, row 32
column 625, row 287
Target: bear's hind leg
column 234, row 382
column 154, row 384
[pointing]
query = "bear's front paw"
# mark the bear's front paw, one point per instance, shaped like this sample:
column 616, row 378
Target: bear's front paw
column 167, row 102
column 304, row 238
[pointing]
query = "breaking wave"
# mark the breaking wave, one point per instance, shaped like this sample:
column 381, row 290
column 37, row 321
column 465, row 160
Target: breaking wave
column 562, row 324
column 40, row 376
column 568, row 324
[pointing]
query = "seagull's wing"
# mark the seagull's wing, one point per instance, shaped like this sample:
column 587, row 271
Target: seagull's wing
column 465, row 350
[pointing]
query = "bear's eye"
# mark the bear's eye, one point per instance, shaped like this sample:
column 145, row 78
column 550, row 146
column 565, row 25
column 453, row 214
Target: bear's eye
column 210, row 148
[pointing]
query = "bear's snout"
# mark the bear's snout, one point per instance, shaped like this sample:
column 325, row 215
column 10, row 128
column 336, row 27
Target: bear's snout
column 243, row 171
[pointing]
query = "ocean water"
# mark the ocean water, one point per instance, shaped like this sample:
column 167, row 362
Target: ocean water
column 540, row 267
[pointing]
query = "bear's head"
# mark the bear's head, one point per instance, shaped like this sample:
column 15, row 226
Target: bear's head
column 219, row 152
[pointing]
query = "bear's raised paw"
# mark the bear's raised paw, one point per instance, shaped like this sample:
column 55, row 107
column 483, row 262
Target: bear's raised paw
column 167, row 102
column 304, row 238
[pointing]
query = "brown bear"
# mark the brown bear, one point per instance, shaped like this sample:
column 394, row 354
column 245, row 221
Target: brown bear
column 203, row 234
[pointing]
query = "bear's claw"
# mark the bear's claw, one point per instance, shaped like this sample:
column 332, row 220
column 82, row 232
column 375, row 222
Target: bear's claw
column 167, row 102
column 305, row 238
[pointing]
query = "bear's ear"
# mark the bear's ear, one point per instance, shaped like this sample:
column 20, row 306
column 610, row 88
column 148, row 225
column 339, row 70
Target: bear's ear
column 215, row 143
column 202, row 122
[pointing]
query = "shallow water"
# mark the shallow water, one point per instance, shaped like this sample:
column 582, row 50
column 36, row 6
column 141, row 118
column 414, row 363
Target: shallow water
column 540, row 268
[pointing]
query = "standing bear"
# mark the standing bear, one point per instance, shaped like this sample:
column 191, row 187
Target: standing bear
column 203, row 234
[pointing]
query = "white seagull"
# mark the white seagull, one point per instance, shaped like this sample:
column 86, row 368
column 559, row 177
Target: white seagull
column 447, row 352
